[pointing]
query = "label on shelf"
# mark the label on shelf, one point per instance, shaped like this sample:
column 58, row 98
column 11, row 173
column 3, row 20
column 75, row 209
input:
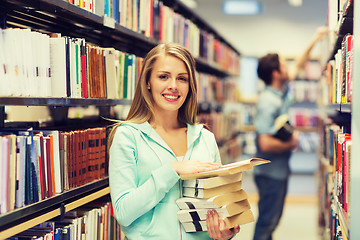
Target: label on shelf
column 108, row 22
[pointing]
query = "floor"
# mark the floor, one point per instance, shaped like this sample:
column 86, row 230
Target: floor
column 299, row 220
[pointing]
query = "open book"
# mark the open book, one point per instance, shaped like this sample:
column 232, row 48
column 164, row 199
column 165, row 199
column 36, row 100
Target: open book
column 227, row 169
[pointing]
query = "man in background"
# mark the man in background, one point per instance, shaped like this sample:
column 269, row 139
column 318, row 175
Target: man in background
column 272, row 179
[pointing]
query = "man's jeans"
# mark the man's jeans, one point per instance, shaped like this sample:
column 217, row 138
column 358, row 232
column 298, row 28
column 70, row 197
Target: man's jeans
column 272, row 194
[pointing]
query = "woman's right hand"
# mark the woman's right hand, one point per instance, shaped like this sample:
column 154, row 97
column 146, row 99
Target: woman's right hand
column 193, row 166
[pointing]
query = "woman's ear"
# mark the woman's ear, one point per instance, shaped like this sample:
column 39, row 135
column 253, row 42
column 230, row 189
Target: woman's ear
column 148, row 86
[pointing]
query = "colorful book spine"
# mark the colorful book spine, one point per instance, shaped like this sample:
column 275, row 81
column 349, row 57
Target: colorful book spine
column 40, row 164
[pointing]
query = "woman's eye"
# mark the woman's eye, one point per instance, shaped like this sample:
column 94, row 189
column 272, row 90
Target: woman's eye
column 184, row 79
column 163, row 77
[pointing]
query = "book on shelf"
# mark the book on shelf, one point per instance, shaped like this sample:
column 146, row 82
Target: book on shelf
column 214, row 202
column 39, row 164
column 212, row 182
column 198, row 192
column 227, row 169
column 284, row 130
column 240, row 219
column 231, row 209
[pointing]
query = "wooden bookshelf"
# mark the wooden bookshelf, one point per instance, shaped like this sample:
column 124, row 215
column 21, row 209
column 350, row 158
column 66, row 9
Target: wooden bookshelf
column 31, row 215
column 346, row 116
column 59, row 16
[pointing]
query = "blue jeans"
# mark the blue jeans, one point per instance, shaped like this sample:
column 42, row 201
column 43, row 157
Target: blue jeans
column 272, row 194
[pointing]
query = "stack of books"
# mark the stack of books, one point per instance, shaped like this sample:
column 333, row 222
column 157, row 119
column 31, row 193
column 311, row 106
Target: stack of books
column 220, row 189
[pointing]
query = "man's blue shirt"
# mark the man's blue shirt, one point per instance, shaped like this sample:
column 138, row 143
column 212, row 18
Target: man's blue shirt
column 272, row 103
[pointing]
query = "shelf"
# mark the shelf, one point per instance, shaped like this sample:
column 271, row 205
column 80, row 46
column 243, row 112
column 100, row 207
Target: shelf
column 340, row 107
column 62, row 17
column 195, row 18
column 26, row 217
column 58, row 16
column 38, row 101
column 305, row 129
column 345, row 27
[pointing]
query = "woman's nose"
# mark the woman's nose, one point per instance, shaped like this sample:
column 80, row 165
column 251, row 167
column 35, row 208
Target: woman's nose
column 172, row 84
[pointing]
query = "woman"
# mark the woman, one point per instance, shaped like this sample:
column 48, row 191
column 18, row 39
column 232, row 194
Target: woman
column 160, row 140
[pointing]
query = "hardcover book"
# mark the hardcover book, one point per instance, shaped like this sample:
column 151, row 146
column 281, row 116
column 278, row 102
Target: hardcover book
column 227, row 169
column 210, row 192
column 228, row 210
column 283, row 127
column 214, row 202
column 212, row 182
column 240, row 219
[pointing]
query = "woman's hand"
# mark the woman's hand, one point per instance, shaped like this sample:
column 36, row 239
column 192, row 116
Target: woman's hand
column 193, row 166
column 217, row 227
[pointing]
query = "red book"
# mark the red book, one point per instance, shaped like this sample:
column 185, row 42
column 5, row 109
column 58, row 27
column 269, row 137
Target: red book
column 49, row 189
column 91, row 153
column 102, row 152
column 71, row 159
column 349, row 67
column 346, row 170
column 52, row 165
column 42, row 168
column 84, row 83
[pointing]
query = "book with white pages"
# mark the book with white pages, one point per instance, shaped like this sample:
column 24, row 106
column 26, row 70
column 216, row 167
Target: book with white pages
column 228, row 210
column 211, row 192
column 214, row 202
column 58, row 66
column 212, row 182
column 238, row 219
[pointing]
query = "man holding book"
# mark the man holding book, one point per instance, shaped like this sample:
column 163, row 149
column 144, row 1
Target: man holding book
column 274, row 142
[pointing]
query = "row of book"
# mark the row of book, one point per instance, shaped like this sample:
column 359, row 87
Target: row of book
column 311, row 72
column 71, row 67
column 41, row 65
column 40, row 164
column 308, row 142
column 212, row 88
column 336, row 229
column 223, row 125
column 156, row 20
column 303, row 117
column 304, row 91
column 231, row 150
column 339, row 74
column 337, row 149
column 97, row 223
column 219, row 190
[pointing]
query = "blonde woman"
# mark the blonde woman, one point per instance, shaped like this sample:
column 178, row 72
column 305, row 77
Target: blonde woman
column 160, row 140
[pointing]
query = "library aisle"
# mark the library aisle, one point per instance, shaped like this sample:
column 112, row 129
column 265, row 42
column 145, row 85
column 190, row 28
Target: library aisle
column 299, row 220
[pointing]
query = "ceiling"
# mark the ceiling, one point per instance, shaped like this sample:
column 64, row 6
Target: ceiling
column 280, row 27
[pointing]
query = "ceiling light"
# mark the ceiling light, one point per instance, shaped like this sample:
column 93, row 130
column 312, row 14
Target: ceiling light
column 295, row 3
column 236, row 7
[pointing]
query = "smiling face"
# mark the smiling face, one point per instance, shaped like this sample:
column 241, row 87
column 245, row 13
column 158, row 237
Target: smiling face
column 169, row 84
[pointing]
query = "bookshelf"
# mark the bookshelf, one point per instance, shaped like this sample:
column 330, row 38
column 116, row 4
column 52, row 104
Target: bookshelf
column 58, row 16
column 355, row 131
column 339, row 174
column 21, row 219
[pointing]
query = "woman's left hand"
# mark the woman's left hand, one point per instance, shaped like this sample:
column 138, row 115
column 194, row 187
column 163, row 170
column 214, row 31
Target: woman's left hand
column 217, row 227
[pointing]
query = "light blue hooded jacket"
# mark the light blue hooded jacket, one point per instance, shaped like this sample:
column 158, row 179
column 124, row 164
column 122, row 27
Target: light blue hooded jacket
column 143, row 185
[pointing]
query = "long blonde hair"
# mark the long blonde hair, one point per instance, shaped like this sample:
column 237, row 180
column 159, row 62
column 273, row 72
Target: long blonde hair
column 142, row 108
